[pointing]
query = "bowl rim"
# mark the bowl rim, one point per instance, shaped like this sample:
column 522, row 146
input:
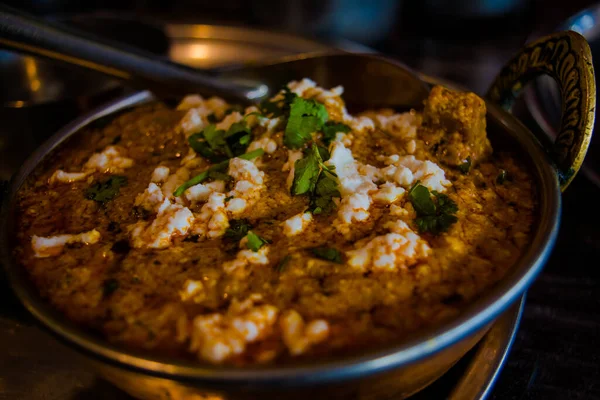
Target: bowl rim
column 472, row 319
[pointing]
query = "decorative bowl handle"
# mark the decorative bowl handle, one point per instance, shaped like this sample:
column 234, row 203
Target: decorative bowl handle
column 566, row 57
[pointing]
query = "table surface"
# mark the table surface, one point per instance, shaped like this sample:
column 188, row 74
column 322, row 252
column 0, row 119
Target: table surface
column 556, row 353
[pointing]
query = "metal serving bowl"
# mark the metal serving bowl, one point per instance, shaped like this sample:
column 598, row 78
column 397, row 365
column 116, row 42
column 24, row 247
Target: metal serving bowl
column 394, row 370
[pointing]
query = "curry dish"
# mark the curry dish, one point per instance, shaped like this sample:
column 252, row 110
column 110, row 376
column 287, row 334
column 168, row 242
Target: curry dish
column 275, row 232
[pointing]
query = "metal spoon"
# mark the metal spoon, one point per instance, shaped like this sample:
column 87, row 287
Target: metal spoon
column 368, row 79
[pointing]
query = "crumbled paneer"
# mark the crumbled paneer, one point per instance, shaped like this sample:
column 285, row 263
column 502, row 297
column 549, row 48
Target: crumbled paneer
column 407, row 170
column 248, row 184
column 60, row 176
column 247, row 257
column 388, row 193
column 172, row 220
column 201, row 191
column 359, row 124
column 229, row 120
column 191, row 122
column 401, row 126
column 212, row 221
column 299, row 336
column 54, row 245
column 191, row 101
column 174, row 181
column 192, row 291
column 160, row 174
column 299, row 87
column 217, row 337
column 346, row 168
column 296, row 224
column 151, row 199
column 109, row 160
column 265, row 143
column 398, row 249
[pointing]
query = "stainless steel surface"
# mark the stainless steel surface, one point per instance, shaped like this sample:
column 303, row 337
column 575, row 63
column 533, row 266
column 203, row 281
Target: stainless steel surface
column 516, row 281
column 479, row 377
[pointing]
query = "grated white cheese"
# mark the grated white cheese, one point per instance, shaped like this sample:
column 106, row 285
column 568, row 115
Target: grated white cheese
column 406, row 170
column 54, row 245
column 174, row 181
column 346, row 168
column 109, row 160
column 192, row 291
column 218, row 337
column 67, row 177
column 245, row 258
column 398, row 249
column 172, row 220
column 212, row 220
column 388, row 193
column 248, row 184
column 151, row 199
column 296, row 224
column 299, row 87
column 160, row 174
column 201, row 191
column 401, row 126
column 265, row 143
column 229, row 120
column 299, row 336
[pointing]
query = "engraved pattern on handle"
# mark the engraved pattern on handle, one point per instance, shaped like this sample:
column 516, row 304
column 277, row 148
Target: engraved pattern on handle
column 566, row 57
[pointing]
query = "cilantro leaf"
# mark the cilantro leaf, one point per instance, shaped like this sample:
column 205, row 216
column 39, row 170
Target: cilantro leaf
column 321, row 201
column 306, row 117
column 331, row 128
column 306, row 174
column 255, row 242
column 421, row 200
column 102, row 192
column 465, row 167
column 238, row 228
column 220, row 167
column 238, row 137
column 434, row 217
column 279, row 107
column 327, row 253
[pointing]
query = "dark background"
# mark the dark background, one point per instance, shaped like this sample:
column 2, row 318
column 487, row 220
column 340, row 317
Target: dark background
column 556, row 353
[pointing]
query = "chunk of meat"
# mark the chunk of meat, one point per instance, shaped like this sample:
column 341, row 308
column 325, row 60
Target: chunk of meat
column 454, row 126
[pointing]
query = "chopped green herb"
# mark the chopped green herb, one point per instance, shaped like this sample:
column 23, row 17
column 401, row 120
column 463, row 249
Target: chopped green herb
column 306, row 173
column 501, row 178
column 465, row 167
column 228, row 198
column 281, row 265
column 310, row 179
column 306, row 117
column 217, row 145
column 255, row 242
column 327, row 253
column 109, row 287
column 220, row 167
column 278, row 107
column 102, row 192
column 434, row 217
column 331, row 128
column 238, row 228
column 321, row 201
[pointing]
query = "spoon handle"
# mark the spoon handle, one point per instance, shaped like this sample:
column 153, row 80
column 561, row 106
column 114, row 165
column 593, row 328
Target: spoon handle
column 34, row 36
